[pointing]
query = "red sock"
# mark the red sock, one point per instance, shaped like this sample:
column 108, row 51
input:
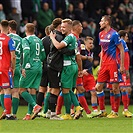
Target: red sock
column 128, row 99
column 117, row 102
column 60, row 102
column 83, row 102
column 125, row 99
column 101, row 100
column 112, row 100
column 7, row 103
column 94, row 106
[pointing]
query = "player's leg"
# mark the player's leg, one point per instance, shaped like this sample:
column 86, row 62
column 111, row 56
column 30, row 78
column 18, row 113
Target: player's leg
column 60, row 102
column 3, row 115
column 54, row 85
column 31, row 80
column 15, row 91
column 80, row 93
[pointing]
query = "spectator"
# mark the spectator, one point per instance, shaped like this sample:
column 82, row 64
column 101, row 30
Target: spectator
column 2, row 14
column 80, row 14
column 92, row 26
column 27, row 9
column 86, row 30
column 70, row 12
column 22, row 27
column 36, row 8
column 127, row 8
column 14, row 16
column 45, row 18
column 59, row 13
column 17, row 5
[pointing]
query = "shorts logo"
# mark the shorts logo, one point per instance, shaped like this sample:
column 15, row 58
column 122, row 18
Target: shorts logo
column 5, row 84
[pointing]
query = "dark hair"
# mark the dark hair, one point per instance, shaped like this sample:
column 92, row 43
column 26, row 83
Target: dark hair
column 122, row 33
column 13, row 24
column 56, row 22
column 4, row 23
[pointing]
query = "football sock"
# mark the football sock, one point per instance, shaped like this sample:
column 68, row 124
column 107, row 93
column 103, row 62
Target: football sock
column 30, row 107
column 117, row 102
column 112, row 100
column 67, row 102
column 60, row 102
column 15, row 104
column 83, row 102
column 94, row 106
column 101, row 100
column 125, row 99
column 46, row 102
column 40, row 98
column 52, row 102
column 2, row 101
column 7, row 103
column 74, row 99
column 28, row 98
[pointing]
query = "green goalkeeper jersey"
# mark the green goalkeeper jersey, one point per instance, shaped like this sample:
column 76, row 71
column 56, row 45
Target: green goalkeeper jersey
column 33, row 52
column 18, row 45
column 71, row 43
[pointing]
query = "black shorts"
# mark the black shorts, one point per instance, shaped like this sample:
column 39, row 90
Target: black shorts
column 44, row 79
column 54, row 78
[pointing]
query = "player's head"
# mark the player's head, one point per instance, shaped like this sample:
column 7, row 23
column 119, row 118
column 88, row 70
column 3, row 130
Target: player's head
column 48, row 29
column 4, row 24
column 124, row 35
column 57, row 24
column 77, row 27
column 66, row 26
column 29, row 29
column 12, row 25
column 89, row 42
column 105, row 21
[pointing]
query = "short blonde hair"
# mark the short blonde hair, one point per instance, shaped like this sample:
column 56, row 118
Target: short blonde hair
column 88, row 38
column 67, row 20
column 30, row 27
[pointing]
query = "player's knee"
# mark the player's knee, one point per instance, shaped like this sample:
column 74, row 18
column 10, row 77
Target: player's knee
column 99, row 87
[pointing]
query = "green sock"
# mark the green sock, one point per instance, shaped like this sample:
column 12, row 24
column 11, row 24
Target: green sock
column 46, row 102
column 27, row 97
column 30, row 107
column 67, row 102
column 15, row 104
column 74, row 98
column 2, row 101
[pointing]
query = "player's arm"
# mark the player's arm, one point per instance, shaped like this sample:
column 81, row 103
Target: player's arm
column 43, row 54
column 13, row 56
column 122, row 69
column 67, row 51
column 26, row 54
column 55, row 42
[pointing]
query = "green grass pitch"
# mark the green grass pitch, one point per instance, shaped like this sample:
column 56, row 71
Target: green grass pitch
column 83, row 125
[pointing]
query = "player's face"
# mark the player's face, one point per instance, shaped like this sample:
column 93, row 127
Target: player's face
column 103, row 23
column 65, row 28
column 89, row 44
column 126, row 38
column 79, row 28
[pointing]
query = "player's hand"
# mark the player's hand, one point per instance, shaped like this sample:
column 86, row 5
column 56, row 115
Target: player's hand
column 85, row 72
column 23, row 73
column 127, row 75
column 122, row 70
column 52, row 34
column 80, row 73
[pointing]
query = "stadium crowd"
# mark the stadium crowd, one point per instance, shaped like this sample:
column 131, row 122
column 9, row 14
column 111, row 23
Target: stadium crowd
column 60, row 24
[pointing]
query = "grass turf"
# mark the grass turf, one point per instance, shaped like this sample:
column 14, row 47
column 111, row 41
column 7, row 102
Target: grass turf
column 83, row 125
